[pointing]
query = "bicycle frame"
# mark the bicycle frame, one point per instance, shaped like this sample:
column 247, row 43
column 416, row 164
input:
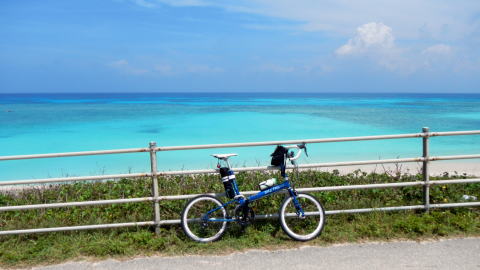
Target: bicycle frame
column 241, row 201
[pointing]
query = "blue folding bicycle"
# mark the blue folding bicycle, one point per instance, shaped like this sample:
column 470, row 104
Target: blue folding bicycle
column 205, row 217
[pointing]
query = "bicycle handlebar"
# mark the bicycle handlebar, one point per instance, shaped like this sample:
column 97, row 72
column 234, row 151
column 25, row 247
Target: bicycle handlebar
column 296, row 156
column 300, row 148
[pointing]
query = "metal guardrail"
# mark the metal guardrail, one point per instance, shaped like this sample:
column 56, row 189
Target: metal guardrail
column 154, row 173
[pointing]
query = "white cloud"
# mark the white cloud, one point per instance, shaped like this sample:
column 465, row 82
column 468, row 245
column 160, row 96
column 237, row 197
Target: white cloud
column 438, row 19
column 438, row 49
column 162, row 69
column 144, row 3
column 275, row 68
column 375, row 43
column 439, row 56
column 124, row 66
column 310, row 66
column 203, row 69
column 370, row 36
column 119, row 63
column 175, row 3
column 184, row 3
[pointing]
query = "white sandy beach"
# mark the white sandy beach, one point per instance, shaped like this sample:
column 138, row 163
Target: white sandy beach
column 437, row 168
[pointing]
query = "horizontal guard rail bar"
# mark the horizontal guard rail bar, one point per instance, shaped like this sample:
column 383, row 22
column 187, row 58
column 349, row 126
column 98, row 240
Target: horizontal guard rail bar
column 74, row 179
column 454, row 157
column 326, row 140
column 361, row 210
column 189, row 196
column 330, row 164
column 75, row 154
column 450, row 205
column 78, row 228
column 206, row 146
column 261, row 168
column 334, row 188
column 454, row 181
column 229, row 145
column 267, row 216
column 454, row 133
column 70, row 204
column 302, row 166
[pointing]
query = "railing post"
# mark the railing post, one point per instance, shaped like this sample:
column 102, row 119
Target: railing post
column 426, row 176
column 156, row 203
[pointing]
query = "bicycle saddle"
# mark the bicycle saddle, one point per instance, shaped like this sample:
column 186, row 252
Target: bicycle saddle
column 223, row 156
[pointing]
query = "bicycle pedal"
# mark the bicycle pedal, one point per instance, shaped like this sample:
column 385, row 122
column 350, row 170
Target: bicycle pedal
column 239, row 196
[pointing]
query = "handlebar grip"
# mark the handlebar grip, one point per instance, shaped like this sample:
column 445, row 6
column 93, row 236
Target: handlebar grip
column 303, row 146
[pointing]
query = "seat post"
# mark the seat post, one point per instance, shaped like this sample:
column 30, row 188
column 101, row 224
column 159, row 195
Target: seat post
column 228, row 163
column 225, row 159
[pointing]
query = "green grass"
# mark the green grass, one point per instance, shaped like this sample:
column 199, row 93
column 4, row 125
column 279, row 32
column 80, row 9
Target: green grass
column 48, row 248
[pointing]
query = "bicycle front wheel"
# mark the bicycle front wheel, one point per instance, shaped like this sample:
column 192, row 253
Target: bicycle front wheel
column 298, row 227
column 201, row 226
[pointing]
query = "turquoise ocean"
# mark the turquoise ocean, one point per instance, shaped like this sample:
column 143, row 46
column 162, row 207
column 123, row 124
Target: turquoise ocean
column 51, row 123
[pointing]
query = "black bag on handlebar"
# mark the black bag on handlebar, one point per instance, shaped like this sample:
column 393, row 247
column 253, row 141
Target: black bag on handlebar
column 278, row 156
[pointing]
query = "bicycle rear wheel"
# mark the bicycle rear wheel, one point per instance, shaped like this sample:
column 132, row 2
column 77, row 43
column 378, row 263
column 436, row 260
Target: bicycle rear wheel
column 198, row 225
column 302, row 228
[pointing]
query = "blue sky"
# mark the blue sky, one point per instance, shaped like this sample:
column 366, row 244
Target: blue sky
column 261, row 46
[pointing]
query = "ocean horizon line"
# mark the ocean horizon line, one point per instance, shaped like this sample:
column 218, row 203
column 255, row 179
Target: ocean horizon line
column 241, row 92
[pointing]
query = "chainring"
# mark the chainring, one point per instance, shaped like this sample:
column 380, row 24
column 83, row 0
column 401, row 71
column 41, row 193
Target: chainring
column 244, row 215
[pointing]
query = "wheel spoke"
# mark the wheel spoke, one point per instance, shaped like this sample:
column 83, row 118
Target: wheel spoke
column 200, row 227
column 305, row 227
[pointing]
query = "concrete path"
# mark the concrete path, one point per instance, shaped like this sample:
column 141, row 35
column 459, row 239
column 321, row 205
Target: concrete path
column 444, row 254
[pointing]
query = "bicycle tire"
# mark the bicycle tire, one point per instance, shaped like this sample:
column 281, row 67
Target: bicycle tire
column 308, row 227
column 201, row 230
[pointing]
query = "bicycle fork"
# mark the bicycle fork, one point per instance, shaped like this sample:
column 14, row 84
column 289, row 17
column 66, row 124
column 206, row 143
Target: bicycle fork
column 298, row 207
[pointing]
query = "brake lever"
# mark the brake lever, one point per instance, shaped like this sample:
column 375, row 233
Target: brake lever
column 303, row 146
